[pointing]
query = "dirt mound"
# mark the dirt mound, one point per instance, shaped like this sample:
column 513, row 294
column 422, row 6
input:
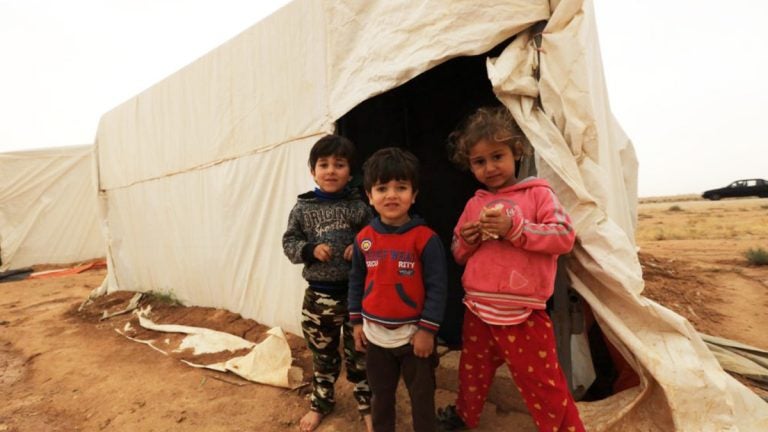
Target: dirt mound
column 164, row 312
column 683, row 289
column 12, row 368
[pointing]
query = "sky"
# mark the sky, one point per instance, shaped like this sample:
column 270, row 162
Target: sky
column 687, row 80
column 67, row 62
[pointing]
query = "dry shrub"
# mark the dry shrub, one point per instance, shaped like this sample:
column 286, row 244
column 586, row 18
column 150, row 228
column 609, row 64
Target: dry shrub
column 757, row 256
column 165, row 297
column 674, row 233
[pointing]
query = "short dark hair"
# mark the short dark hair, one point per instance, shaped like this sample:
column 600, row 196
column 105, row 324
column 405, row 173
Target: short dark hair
column 391, row 163
column 332, row 145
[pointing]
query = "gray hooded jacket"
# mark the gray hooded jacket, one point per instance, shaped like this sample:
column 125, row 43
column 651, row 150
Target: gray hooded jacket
column 319, row 218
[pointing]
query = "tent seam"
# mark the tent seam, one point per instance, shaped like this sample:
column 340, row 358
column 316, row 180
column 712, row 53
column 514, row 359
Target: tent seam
column 215, row 162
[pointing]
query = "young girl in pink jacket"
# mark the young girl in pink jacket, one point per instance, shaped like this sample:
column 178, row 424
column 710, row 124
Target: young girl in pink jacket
column 508, row 238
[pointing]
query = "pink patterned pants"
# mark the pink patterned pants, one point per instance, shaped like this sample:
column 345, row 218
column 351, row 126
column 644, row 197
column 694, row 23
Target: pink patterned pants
column 528, row 349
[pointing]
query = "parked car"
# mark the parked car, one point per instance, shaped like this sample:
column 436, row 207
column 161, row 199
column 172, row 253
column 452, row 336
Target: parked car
column 739, row 188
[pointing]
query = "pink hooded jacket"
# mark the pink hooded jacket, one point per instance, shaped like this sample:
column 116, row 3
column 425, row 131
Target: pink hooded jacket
column 520, row 267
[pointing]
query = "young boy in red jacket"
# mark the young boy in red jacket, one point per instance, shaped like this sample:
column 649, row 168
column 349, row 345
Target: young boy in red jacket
column 397, row 291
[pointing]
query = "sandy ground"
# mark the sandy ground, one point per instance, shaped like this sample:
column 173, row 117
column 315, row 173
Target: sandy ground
column 693, row 256
column 64, row 370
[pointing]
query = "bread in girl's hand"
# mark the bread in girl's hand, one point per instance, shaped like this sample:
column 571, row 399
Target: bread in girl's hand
column 486, row 235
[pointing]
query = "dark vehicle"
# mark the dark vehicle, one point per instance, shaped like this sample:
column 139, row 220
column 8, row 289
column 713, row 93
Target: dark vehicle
column 739, row 188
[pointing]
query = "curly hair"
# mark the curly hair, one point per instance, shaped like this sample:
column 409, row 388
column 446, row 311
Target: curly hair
column 487, row 123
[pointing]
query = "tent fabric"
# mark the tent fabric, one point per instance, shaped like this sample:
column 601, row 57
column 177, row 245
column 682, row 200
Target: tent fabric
column 264, row 88
column 374, row 46
column 48, row 208
column 199, row 172
column 739, row 358
column 213, row 236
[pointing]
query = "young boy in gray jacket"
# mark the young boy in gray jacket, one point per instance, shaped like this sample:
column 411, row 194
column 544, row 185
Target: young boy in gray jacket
column 321, row 229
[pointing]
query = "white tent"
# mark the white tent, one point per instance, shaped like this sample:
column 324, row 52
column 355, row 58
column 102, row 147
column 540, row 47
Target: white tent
column 48, row 208
column 199, row 172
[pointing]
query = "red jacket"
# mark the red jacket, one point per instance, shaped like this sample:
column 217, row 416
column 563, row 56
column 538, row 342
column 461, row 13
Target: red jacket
column 398, row 276
column 521, row 265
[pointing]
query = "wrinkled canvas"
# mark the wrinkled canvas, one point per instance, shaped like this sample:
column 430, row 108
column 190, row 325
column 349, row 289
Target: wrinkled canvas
column 48, row 208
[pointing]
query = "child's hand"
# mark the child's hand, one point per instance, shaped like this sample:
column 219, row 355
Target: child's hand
column 495, row 222
column 470, row 232
column 348, row 253
column 323, row 252
column 360, row 341
column 423, row 343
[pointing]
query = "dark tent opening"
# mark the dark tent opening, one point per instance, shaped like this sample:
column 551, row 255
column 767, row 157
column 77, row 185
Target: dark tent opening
column 419, row 116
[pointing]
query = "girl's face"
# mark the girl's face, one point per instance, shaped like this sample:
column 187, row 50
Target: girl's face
column 331, row 173
column 493, row 164
column 392, row 201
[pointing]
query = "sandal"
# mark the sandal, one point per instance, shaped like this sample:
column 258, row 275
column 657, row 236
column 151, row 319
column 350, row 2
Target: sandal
column 449, row 420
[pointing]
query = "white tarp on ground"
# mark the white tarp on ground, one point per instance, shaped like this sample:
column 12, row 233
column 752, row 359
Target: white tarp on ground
column 199, row 172
column 48, row 208
column 266, row 362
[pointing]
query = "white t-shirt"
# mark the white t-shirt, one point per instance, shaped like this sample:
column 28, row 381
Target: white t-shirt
column 386, row 337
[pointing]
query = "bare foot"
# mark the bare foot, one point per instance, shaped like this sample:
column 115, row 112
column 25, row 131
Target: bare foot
column 310, row 421
column 368, row 422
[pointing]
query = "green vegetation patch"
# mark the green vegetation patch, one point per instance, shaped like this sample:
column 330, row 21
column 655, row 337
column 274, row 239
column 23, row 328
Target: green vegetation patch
column 166, row 297
column 757, row 256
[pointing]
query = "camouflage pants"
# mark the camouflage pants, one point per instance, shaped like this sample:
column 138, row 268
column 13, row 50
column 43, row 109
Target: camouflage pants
column 323, row 316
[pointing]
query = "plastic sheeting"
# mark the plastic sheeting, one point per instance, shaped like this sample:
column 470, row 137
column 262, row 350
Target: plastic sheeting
column 200, row 171
column 267, row 362
column 48, row 208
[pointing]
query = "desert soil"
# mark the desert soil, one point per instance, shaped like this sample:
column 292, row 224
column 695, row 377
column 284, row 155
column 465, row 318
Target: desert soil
column 64, row 369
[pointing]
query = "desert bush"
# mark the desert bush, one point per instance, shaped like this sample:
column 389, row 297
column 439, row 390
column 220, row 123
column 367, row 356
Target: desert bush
column 675, row 208
column 672, row 233
column 757, row 256
column 164, row 297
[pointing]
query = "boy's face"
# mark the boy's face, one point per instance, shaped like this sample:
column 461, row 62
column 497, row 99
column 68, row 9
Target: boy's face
column 493, row 164
column 331, row 173
column 392, row 201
